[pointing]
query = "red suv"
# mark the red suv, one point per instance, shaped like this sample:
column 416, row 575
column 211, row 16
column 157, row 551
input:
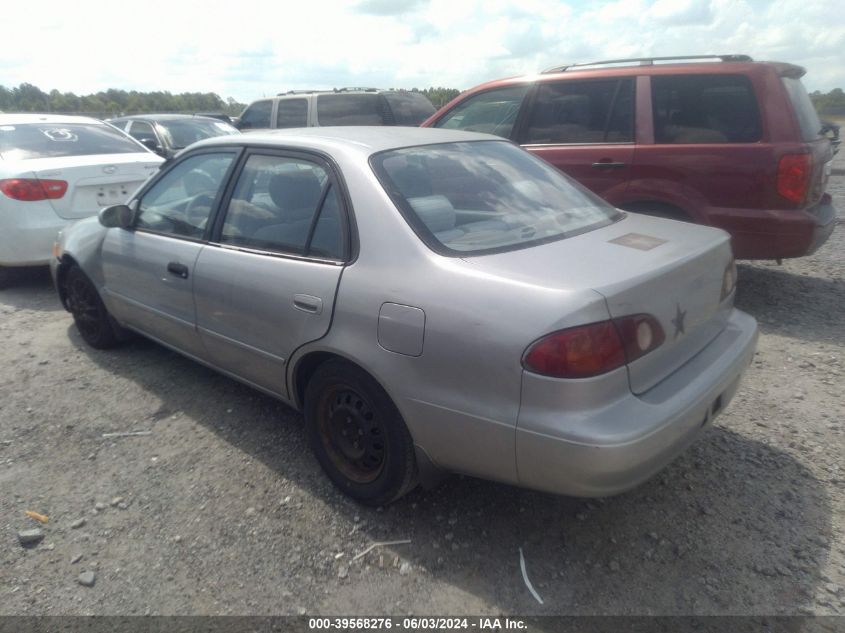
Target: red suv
column 732, row 143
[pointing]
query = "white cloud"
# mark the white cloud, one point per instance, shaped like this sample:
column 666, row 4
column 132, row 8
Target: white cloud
column 694, row 12
column 253, row 48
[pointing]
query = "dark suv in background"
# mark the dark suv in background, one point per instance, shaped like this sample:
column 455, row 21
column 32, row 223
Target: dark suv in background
column 727, row 142
column 168, row 134
column 341, row 106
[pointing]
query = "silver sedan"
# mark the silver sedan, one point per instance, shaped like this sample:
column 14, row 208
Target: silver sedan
column 433, row 301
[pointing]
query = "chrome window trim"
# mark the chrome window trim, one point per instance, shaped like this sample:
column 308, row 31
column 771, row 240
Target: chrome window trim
column 257, row 251
column 579, row 144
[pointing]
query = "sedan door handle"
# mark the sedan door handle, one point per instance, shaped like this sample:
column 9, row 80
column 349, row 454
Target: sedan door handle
column 180, row 270
column 607, row 164
column 308, row 303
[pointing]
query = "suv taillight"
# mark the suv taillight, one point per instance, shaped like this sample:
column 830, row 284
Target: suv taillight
column 591, row 350
column 33, row 189
column 794, row 176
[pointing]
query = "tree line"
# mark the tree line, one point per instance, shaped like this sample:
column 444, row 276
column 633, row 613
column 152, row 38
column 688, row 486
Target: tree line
column 113, row 102
column 109, row 103
column 829, row 104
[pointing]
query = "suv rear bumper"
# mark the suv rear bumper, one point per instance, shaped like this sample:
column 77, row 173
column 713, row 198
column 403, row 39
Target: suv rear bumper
column 776, row 234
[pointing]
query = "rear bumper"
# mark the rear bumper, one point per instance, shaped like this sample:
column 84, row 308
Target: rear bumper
column 600, row 450
column 27, row 233
column 776, row 234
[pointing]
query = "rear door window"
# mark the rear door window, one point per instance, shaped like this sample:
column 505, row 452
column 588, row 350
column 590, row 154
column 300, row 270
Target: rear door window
column 256, row 116
column 493, row 111
column 284, row 205
column 350, row 109
column 582, row 112
column 47, row 140
column 292, row 113
column 704, row 109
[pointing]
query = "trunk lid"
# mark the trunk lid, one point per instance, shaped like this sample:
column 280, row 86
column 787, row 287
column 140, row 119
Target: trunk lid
column 641, row 265
column 95, row 181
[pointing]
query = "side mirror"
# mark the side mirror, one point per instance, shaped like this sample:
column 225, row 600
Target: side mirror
column 118, row 216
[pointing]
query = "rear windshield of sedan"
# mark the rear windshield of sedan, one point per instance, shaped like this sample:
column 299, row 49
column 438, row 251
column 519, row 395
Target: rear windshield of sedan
column 47, row 140
column 183, row 133
column 486, row 197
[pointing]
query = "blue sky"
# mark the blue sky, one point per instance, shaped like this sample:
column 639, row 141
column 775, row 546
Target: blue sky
column 249, row 48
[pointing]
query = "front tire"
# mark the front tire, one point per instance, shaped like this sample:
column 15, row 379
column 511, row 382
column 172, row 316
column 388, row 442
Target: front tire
column 92, row 320
column 358, row 435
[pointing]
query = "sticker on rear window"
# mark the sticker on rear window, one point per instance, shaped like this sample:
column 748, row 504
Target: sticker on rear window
column 59, row 134
column 639, row 241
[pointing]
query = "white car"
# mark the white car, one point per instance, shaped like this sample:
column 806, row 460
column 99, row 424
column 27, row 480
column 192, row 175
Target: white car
column 55, row 170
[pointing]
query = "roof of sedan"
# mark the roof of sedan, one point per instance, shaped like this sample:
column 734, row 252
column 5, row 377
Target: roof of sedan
column 26, row 117
column 365, row 139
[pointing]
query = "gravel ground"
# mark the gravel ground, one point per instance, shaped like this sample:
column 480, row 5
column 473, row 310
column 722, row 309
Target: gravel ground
column 220, row 508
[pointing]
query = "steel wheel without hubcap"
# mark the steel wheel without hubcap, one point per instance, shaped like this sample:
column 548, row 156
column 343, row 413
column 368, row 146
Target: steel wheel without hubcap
column 352, row 434
column 358, row 435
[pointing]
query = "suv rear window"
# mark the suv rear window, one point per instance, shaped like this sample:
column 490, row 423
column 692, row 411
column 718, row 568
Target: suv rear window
column 485, row 197
column 350, row 109
column 704, row 109
column 808, row 119
column 43, row 140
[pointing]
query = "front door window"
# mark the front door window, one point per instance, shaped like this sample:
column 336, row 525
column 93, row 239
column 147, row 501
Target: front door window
column 180, row 203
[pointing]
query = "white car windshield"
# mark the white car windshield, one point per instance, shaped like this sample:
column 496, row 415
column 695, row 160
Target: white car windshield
column 21, row 141
column 486, row 196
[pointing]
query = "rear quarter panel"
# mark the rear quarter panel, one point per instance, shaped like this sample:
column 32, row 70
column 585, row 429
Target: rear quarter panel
column 460, row 397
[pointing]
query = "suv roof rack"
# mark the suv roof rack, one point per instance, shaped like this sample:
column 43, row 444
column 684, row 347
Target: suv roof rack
column 649, row 61
column 326, row 90
column 299, row 92
column 356, row 89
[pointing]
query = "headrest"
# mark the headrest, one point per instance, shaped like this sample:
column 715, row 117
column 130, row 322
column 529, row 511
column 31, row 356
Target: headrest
column 436, row 212
column 291, row 191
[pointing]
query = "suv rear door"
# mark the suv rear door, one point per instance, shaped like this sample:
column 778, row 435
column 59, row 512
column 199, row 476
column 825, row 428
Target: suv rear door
column 584, row 128
column 707, row 129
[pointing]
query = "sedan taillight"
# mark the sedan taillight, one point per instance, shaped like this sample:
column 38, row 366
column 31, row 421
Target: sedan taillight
column 33, row 189
column 594, row 349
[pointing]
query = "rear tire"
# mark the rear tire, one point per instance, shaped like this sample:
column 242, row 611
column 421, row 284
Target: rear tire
column 92, row 320
column 358, row 435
